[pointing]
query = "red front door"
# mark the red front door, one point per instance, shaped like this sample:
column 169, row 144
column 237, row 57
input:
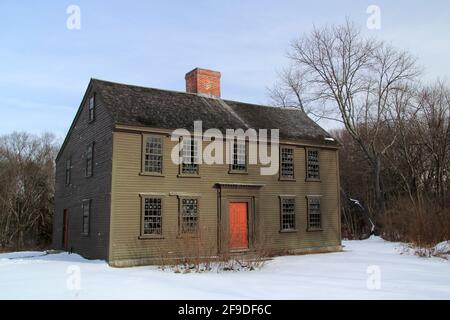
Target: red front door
column 238, row 225
column 65, row 228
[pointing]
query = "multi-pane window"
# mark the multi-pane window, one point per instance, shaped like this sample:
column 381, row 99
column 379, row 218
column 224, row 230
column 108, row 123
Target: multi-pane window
column 68, row 171
column 151, row 224
column 86, row 216
column 239, row 156
column 287, row 214
column 89, row 160
column 312, row 164
column 153, row 154
column 189, row 215
column 287, row 163
column 92, row 108
column 189, row 156
column 314, row 216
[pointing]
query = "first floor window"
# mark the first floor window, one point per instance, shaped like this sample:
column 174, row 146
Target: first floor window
column 189, row 156
column 314, row 213
column 287, row 214
column 239, row 156
column 153, row 154
column 86, row 216
column 151, row 224
column 189, row 215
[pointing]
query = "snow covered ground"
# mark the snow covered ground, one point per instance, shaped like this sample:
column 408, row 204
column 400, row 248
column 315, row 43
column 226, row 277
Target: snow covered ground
column 369, row 269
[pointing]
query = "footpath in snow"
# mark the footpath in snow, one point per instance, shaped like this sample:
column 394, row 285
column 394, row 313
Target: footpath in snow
column 368, row 269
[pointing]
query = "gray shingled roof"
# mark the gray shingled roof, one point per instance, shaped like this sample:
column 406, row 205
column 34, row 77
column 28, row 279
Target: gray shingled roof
column 148, row 107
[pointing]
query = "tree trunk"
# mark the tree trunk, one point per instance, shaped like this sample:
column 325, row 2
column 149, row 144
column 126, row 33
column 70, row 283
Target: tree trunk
column 379, row 196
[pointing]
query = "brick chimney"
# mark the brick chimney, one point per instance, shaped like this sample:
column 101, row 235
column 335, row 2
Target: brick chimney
column 203, row 81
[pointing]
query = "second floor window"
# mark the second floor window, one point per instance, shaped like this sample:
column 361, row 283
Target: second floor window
column 153, row 154
column 239, row 156
column 190, row 156
column 287, row 163
column 92, row 108
column 189, row 215
column 89, row 160
column 68, row 171
column 312, row 164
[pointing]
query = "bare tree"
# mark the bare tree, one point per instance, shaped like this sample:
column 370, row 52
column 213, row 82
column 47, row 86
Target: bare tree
column 352, row 80
column 27, row 180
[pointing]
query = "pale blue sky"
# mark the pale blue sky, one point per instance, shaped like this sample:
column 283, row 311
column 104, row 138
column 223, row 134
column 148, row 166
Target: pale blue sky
column 45, row 68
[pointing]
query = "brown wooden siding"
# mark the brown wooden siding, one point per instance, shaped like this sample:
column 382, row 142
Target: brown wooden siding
column 127, row 184
column 97, row 188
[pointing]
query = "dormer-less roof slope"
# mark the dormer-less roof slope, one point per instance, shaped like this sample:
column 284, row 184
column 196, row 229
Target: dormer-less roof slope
column 148, row 107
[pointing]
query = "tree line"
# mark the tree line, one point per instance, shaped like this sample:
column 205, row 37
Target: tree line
column 27, row 172
column 395, row 136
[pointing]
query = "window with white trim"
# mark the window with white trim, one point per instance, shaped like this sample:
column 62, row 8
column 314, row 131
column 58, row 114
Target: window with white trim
column 189, row 156
column 312, row 164
column 189, row 215
column 314, row 213
column 151, row 216
column 287, row 213
column 153, row 154
column 239, row 157
column 287, row 163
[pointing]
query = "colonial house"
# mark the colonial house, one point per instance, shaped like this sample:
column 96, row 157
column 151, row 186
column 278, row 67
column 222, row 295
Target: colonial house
column 121, row 197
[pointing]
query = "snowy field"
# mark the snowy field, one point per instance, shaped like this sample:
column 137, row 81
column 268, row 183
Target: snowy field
column 369, row 269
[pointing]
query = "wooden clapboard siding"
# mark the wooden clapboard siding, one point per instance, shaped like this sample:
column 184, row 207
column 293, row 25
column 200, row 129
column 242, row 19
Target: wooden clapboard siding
column 97, row 188
column 127, row 184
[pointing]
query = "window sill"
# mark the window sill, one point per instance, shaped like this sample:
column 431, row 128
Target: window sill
column 287, row 179
column 149, row 237
column 312, row 180
column 314, row 229
column 239, row 250
column 188, row 236
column 151, row 174
column 288, row 231
column 237, row 172
column 85, row 234
column 186, row 175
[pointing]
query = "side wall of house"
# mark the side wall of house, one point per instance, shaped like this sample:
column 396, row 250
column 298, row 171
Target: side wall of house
column 127, row 248
column 96, row 188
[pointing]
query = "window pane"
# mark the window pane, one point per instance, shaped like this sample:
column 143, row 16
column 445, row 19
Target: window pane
column 152, row 216
column 92, row 107
column 189, row 215
column 287, row 163
column 314, row 213
column 313, row 164
column 239, row 157
column 287, row 214
column 153, row 155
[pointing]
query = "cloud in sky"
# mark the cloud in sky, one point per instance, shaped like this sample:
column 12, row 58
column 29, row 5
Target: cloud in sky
column 45, row 68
